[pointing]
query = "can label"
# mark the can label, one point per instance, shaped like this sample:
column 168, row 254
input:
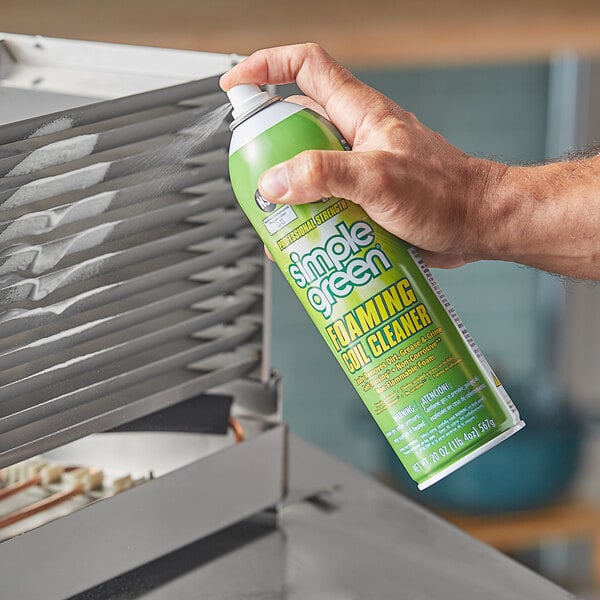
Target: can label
column 379, row 309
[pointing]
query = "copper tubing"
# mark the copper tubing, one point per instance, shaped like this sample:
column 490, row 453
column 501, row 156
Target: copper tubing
column 41, row 505
column 18, row 486
column 237, row 428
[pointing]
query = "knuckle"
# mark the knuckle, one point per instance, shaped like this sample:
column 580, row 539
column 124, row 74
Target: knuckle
column 409, row 117
column 385, row 123
column 321, row 59
column 314, row 48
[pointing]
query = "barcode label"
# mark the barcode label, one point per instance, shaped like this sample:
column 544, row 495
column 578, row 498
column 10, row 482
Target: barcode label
column 433, row 284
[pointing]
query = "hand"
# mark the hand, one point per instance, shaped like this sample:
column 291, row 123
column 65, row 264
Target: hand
column 406, row 177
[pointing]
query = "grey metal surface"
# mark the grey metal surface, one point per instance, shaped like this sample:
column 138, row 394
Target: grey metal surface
column 115, row 535
column 18, row 104
column 99, row 70
column 130, row 281
column 129, row 278
column 361, row 541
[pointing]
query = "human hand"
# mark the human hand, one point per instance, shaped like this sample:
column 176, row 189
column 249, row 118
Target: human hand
column 407, row 178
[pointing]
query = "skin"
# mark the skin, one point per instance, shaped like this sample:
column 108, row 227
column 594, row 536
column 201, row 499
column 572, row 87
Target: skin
column 410, row 180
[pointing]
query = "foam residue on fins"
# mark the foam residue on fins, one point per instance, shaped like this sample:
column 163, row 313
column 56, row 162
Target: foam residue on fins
column 58, row 184
column 60, row 124
column 56, row 153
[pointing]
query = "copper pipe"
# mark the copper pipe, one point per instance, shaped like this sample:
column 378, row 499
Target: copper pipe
column 41, row 505
column 238, row 430
column 19, row 486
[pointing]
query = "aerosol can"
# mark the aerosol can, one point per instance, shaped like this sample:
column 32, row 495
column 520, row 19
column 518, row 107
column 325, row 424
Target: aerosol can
column 376, row 304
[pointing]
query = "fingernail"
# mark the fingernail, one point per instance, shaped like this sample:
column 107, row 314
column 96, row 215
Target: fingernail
column 274, row 183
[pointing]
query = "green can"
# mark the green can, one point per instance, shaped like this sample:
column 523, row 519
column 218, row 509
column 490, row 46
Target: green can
column 376, row 304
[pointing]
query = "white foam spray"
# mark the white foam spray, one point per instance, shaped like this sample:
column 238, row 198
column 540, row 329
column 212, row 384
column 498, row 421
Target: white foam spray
column 57, row 153
column 55, row 126
column 46, row 187
column 188, row 141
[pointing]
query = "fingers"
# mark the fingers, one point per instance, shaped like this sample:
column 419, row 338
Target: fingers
column 317, row 174
column 345, row 99
column 375, row 180
column 268, row 253
column 307, row 64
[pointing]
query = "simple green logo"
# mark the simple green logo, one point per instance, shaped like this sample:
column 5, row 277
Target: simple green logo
column 333, row 270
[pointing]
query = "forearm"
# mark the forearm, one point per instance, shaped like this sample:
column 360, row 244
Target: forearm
column 545, row 216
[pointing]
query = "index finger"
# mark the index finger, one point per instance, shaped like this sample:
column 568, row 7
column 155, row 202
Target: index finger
column 346, row 100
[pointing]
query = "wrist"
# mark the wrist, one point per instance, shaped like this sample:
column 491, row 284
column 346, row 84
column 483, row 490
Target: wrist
column 487, row 209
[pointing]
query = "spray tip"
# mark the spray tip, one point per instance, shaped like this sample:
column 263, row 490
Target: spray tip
column 245, row 98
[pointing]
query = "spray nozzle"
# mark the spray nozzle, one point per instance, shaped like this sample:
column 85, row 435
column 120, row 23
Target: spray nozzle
column 247, row 99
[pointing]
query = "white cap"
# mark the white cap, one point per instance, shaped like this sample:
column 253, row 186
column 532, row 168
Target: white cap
column 246, row 97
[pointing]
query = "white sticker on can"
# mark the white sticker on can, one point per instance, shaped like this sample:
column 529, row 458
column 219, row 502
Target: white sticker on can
column 279, row 219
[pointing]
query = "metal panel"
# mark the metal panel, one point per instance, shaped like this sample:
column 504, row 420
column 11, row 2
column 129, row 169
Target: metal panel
column 129, row 278
column 111, row 537
column 98, row 69
column 362, row 540
column 130, row 281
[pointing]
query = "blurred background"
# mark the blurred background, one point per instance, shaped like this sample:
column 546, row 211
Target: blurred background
column 517, row 81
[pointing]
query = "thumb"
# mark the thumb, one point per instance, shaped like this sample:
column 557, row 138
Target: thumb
column 312, row 175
